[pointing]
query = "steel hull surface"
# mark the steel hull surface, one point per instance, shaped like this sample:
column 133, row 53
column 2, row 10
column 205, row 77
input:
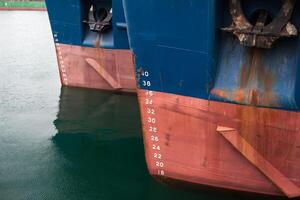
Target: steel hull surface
column 106, row 69
column 183, row 142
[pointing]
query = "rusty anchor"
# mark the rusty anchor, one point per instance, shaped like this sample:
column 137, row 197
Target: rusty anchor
column 261, row 35
column 99, row 21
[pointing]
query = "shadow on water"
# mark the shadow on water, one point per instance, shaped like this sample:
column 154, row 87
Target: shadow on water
column 99, row 137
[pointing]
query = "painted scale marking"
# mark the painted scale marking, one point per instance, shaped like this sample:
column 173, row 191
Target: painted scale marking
column 60, row 61
column 184, row 82
column 151, row 130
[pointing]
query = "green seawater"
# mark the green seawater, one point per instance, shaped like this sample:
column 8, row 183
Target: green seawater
column 68, row 143
column 22, row 4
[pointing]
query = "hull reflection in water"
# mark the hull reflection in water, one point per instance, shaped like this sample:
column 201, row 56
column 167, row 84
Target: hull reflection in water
column 100, row 150
column 99, row 138
column 108, row 115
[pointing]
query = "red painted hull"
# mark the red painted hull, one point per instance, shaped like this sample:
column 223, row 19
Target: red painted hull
column 96, row 68
column 182, row 143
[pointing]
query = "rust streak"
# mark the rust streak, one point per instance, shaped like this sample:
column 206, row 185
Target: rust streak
column 256, row 83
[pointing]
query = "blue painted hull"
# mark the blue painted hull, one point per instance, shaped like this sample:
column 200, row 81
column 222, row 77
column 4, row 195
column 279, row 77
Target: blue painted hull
column 67, row 22
column 184, row 50
column 215, row 111
column 89, row 58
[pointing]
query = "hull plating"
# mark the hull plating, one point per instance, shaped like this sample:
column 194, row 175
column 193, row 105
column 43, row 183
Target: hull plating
column 182, row 142
column 96, row 68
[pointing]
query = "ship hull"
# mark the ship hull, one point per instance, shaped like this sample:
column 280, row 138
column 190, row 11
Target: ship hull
column 182, row 142
column 96, row 68
column 97, row 58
